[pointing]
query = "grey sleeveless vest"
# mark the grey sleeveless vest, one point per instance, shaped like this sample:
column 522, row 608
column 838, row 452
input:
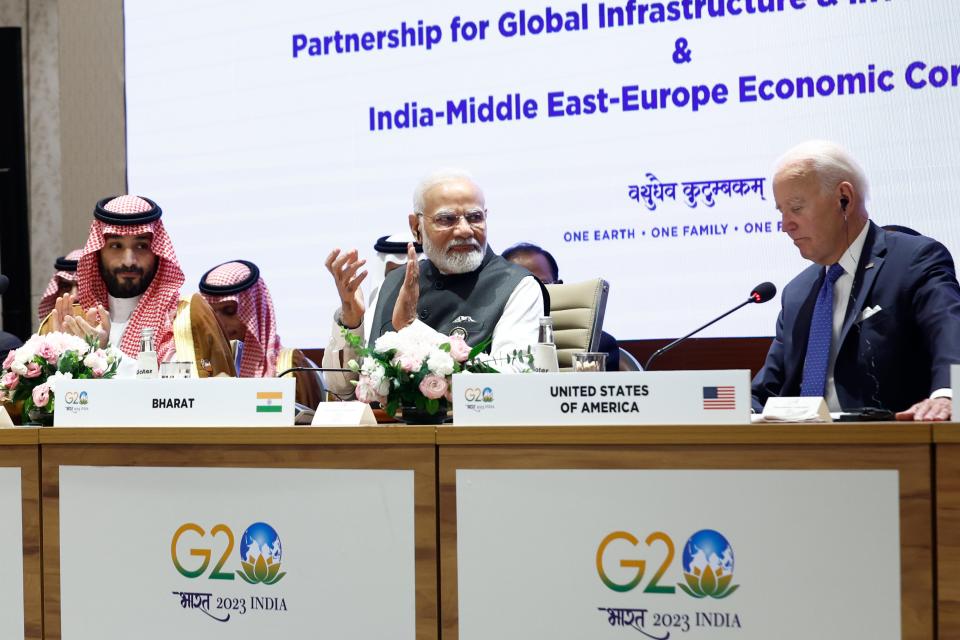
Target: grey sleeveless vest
column 468, row 303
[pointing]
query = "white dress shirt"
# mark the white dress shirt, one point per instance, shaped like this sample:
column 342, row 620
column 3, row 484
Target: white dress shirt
column 842, row 291
column 120, row 311
column 517, row 329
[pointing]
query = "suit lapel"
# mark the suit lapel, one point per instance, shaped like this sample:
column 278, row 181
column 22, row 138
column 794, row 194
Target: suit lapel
column 871, row 261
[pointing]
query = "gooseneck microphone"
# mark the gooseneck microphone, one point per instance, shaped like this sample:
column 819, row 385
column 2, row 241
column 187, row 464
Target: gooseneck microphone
column 320, row 370
column 760, row 294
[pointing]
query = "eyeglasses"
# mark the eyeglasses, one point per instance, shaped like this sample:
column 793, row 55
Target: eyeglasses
column 475, row 219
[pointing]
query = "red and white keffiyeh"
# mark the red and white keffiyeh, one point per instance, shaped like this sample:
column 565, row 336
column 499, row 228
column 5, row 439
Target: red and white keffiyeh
column 53, row 287
column 261, row 344
column 158, row 304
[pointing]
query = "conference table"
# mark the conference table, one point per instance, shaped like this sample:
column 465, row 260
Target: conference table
column 567, row 484
column 347, row 503
column 946, row 438
column 20, row 504
column 500, row 504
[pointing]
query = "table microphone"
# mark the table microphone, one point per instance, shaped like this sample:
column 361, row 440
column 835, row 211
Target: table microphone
column 4, row 283
column 320, row 370
column 761, row 293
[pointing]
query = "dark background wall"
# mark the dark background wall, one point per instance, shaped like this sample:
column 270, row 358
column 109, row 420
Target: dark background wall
column 14, row 220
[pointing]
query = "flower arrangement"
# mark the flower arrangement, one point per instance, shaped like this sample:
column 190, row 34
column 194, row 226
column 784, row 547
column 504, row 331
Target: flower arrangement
column 31, row 372
column 413, row 367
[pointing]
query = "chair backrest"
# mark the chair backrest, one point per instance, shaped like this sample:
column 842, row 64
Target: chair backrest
column 628, row 362
column 577, row 310
column 310, row 390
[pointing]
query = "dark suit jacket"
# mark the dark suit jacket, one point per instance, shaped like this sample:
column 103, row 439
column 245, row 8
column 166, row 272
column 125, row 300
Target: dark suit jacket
column 610, row 346
column 892, row 359
column 8, row 342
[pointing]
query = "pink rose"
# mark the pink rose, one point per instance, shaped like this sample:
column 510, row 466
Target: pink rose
column 9, row 359
column 98, row 372
column 10, row 381
column 33, row 370
column 48, row 352
column 409, row 363
column 41, row 395
column 365, row 391
column 433, row 386
column 459, row 349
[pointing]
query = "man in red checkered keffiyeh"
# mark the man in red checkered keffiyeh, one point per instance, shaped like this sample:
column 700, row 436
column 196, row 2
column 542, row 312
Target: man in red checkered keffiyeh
column 128, row 267
column 64, row 280
column 244, row 310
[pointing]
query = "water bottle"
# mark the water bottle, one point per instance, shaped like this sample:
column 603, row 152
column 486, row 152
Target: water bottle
column 147, row 363
column 545, row 351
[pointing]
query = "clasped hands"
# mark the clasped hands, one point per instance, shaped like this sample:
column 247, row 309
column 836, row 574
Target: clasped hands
column 345, row 268
column 95, row 322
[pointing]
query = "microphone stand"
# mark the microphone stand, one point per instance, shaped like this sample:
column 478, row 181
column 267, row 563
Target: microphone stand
column 319, row 369
column 663, row 350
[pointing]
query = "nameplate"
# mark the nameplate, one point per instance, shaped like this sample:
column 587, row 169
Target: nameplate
column 796, row 409
column 611, row 398
column 344, row 414
column 189, row 402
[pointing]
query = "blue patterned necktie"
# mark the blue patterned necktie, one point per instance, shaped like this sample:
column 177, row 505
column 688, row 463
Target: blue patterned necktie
column 821, row 335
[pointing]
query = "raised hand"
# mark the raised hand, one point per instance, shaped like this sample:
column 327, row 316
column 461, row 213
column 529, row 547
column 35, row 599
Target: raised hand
column 94, row 323
column 405, row 310
column 344, row 266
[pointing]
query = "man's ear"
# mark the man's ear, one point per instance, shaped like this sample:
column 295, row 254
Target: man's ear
column 845, row 194
column 414, row 221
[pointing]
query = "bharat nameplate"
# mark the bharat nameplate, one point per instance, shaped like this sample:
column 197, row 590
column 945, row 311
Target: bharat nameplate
column 659, row 397
column 210, row 402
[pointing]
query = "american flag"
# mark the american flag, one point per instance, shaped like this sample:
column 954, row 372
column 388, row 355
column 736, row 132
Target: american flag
column 719, row 398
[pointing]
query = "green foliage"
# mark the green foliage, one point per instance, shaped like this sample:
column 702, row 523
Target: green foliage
column 69, row 362
column 404, row 386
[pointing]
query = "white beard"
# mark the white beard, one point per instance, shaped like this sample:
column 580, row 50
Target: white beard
column 456, row 262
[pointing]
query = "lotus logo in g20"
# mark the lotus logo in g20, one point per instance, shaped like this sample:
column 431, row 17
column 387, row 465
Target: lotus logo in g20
column 708, row 565
column 260, row 554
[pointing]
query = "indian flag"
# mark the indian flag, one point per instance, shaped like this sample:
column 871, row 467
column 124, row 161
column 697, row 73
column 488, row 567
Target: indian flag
column 269, row 401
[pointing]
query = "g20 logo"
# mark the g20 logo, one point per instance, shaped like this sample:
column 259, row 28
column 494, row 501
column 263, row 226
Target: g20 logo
column 476, row 394
column 707, row 562
column 260, row 553
column 74, row 397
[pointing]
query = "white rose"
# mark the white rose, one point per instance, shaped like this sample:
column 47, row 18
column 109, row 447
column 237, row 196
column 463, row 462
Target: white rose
column 386, row 342
column 420, row 333
column 56, row 377
column 440, row 363
column 376, row 374
column 29, row 349
column 96, row 360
